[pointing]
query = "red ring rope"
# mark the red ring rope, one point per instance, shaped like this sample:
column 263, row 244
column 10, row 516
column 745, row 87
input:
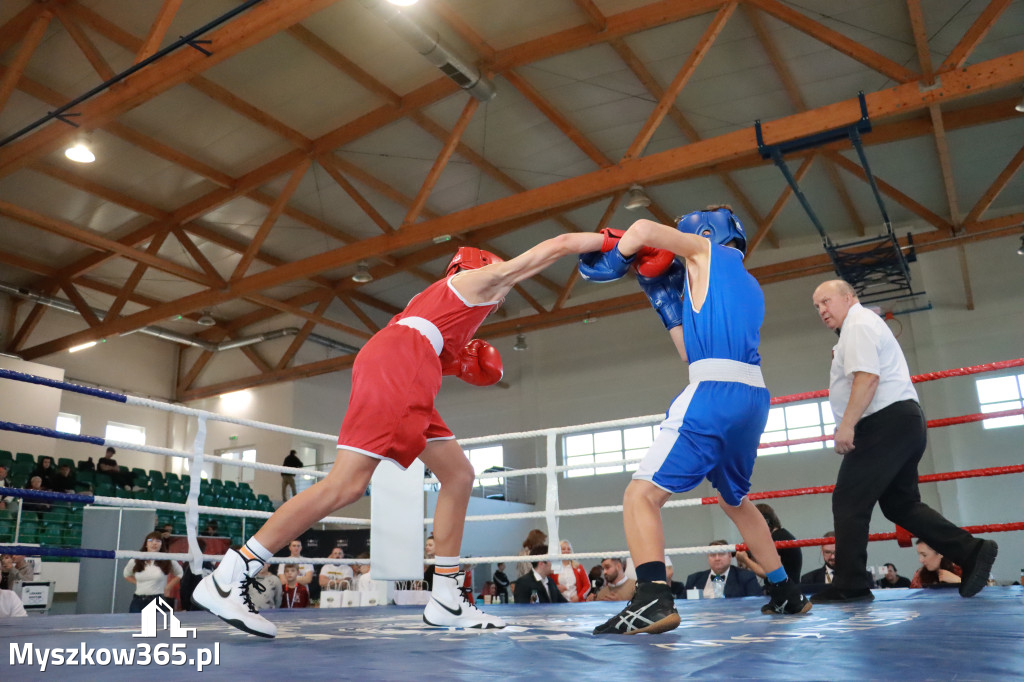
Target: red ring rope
column 877, row 537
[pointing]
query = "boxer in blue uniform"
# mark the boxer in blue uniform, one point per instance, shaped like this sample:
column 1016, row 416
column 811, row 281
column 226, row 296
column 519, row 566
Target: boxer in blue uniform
column 713, row 310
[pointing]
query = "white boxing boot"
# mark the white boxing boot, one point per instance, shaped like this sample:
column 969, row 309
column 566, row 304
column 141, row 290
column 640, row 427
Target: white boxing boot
column 448, row 607
column 225, row 594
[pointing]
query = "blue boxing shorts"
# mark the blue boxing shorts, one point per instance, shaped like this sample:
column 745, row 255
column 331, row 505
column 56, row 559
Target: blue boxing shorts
column 711, row 430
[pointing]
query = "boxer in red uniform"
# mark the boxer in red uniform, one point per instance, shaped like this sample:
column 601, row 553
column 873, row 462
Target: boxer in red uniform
column 391, row 416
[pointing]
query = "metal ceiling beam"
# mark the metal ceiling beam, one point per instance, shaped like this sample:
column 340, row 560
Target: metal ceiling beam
column 898, row 100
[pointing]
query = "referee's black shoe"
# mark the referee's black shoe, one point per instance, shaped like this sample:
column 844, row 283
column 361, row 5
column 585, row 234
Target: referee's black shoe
column 651, row 610
column 977, row 568
column 786, row 599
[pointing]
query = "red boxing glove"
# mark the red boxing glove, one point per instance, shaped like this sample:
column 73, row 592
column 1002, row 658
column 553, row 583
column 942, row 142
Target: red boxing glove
column 652, row 262
column 611, row 238
column 479, row 364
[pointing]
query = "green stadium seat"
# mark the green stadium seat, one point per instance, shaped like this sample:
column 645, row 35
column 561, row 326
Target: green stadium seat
column 102, row 477
column 230, row 485
column 6, row 531
column 25, row 457
column 66, row 462
column 55, row 515
column 87, row 477
column 160, row 495
column 186, row 480
column 51, row 535
column 6, row 456
column 29, row 532
column 72, row 536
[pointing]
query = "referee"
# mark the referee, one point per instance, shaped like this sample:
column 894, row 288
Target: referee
column 881, row 433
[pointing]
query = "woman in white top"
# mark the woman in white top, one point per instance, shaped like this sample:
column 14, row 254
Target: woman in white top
column 151, row 577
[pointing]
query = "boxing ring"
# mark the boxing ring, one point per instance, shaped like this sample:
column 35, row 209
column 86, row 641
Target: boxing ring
column 904, row 633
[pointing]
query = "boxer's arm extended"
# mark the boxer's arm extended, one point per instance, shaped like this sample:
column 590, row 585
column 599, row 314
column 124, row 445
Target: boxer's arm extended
column 861, row 395
column 645, row 232
column 493, row 282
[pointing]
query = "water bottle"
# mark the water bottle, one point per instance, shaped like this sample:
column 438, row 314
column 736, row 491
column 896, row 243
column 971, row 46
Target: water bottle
column 534, row 597
column 718, row 588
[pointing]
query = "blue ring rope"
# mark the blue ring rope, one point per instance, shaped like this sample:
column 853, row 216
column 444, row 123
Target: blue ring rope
column 46, row 495
column 50, row 433
column 34, row 550
column 53, row 383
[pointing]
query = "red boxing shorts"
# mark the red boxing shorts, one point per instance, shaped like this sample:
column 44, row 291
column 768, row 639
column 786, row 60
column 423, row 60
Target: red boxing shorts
column 391, row 412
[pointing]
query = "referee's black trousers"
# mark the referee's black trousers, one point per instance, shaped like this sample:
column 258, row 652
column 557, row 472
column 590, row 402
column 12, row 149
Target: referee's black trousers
column 882, row 468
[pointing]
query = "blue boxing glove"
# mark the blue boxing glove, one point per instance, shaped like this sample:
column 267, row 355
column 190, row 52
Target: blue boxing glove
column 604, row 267
column 665, row 293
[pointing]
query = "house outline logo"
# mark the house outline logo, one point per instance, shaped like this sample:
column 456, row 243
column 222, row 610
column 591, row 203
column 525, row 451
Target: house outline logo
column 159, row 608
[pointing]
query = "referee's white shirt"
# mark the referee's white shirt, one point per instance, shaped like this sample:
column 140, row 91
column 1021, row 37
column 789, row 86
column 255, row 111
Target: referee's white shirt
column 866, row 344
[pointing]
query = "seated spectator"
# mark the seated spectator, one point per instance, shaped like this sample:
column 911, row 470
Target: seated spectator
column 501, row 584
column 151, row 578
column 335, row 576
column 533, row 539
column 722, row 579
column 166, row 531
column 363, row 581
column 108, row 465
column 936, row 570
column 35, row 483
column 44, row 470
column 64, row 480
column 596, row 579
column 306, row 571
column 14, row 568
column 272, row 593
column 792, row 557
column 87, row 465
column 537, row 586
column 428, row 569
column 617, row 586
column 10, row 605
column 892, row 578
column 816, row 580
column 211, row 528
column 6, row 501
column 573, row 581
column 294, row 595
column 678, row 588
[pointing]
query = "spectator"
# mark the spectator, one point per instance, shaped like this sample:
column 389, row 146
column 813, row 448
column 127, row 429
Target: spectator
column 596, row 579
column 722, row 579
column 892, row 578
column 14, row 568
column 64, row 480
column 87, row 465
column 678, row 588
column 792, row 557
column 294, row 595
column 288, row 480
column 501, row 584
column 6, row 501
column 363, row 581
column 36, row 484
column 332, row 575
column 108, row 465
column 428, row 569
column 305, row 570
column 617, row 585
column 823, row 575
column 189, row 580
column 212, row 528
column 166, row 531
column 272, row 593
column 151, row 578
column 537, row 586
column 882, row 434
column 572, row 578
column 533, row 539
column 10, row 605
column 44, row 470
column 936, row 570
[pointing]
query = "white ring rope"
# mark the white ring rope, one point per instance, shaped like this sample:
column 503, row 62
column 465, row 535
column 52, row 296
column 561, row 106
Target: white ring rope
column 214, row 511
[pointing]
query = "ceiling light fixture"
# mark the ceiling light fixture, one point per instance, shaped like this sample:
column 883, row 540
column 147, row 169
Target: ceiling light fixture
column 636, row 198
column 1020, row 249
column 520, row 342
column 75, row 349
column 362, row 273
column 79, row 151
column 1020, row 104
column 206, row 319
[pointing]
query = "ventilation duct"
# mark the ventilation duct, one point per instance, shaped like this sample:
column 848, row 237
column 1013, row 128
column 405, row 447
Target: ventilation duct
column 425, row 41
column 168, row 335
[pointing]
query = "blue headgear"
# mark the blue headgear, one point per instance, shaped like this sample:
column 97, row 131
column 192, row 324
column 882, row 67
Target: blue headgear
column 720, row 226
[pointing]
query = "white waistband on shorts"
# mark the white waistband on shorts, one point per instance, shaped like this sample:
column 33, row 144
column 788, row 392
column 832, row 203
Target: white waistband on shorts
column 716, row 369
column 427, row 328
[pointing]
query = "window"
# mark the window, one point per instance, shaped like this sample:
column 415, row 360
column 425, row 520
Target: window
column 799, row 420
column 240, row 474
column 310, row 456
column 483, row 459
column 607, row 450
column 126, row 433
column 69, row 423
column 206, row 473
column 999, row 394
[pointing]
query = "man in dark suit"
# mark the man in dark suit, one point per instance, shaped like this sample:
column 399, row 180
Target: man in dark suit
column 892, row 578
column 538, row 581
column 735, row 582
column 823, row 575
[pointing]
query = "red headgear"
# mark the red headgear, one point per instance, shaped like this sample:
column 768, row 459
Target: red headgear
column 470, row 258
